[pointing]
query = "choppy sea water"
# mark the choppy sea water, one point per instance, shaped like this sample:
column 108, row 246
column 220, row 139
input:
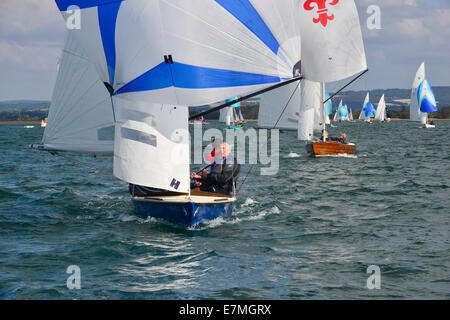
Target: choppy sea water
column 309, row 232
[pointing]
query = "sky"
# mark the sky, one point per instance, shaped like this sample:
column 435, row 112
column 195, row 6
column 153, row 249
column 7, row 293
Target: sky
column 32, row 35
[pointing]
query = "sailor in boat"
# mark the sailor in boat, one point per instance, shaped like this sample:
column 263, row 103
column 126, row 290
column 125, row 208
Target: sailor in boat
column 342, row 137
column 224, row 171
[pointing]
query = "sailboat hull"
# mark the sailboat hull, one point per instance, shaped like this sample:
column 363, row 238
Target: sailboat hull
column 320, row 148
column 185, row 211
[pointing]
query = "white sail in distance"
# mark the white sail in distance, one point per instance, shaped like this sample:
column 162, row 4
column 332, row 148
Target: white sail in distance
column 414, row 109
column 80, row 116
column 380, row 114
column 362, row 115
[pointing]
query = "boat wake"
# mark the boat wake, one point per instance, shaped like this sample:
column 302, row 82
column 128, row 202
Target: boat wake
column 237, row 218
column 292, row 155
column 343, row 155
column 248, row 202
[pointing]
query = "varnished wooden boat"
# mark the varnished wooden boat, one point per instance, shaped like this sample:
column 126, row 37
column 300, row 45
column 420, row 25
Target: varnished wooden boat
column 328, row 148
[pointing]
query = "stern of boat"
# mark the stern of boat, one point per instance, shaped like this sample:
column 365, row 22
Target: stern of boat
column 185, row 210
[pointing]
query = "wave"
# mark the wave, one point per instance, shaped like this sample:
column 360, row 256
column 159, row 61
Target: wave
column 292, row 155
column 237, row 219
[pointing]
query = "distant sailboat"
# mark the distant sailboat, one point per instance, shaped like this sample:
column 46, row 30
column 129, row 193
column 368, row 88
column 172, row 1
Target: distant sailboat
column 367, row 111
column 350, row 115
column 43, row 123
column 241, row 117
column 423, row 100
column 232, row 117
column 342, row 113
column 380, row 113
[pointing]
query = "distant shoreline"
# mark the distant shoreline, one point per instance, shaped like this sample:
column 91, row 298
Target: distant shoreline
column 20, row 122
column 38, row 122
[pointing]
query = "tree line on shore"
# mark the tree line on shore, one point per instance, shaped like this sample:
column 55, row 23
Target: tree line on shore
column 249, row 113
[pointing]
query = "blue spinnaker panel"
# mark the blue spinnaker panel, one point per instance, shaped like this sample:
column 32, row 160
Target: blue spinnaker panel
column 425, row 96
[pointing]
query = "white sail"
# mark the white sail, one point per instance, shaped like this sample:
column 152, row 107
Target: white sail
column 80, row 117
column 350, row 115
column 310, row 102
column 235, row 115
column 241, row 118
column 414, row 110
column 362, row 115
column 335, row 118
column 271, row 106
column 223, row 114
column 199, row 53
column 380, row 114
column 319, row 112
column 152, row 145
column 332, row 44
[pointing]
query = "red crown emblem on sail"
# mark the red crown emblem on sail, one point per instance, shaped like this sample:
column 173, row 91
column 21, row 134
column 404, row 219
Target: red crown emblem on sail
column 322, row 10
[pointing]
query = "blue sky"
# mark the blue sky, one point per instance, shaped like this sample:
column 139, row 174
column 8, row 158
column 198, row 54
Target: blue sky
column 412, row 31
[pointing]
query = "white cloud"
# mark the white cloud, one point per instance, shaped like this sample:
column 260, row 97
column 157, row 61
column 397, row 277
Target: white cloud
column 32, row 57
column 27, row 17
column 412, row 27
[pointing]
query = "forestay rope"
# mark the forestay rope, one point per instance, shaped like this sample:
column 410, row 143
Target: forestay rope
column 274, row 127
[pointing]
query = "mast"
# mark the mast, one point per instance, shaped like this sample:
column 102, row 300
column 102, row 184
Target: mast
column 322, row 105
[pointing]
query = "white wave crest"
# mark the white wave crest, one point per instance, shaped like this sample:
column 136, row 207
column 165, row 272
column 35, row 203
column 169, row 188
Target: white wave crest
column 292, row 155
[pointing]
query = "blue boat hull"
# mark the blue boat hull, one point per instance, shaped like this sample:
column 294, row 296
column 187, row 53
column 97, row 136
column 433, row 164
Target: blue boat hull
column 188, row 214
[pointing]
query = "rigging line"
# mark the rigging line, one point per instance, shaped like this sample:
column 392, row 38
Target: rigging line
column 113, row 112
column 55, row 153
column 275, row 125
column 79, row 162
column 257, row 93
column 340, row 90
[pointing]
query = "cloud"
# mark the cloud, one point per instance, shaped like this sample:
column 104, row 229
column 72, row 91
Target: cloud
column 412, row 27
column 38, row 18
column 32, row 35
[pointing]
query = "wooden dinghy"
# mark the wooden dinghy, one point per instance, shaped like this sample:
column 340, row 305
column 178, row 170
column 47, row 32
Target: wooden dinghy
column 321, row 148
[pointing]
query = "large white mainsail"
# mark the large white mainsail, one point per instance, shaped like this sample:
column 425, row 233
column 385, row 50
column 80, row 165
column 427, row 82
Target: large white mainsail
column 332, row 45
column 310, row 103
column 380, row 114
column 332, row 48
column 80, row 117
